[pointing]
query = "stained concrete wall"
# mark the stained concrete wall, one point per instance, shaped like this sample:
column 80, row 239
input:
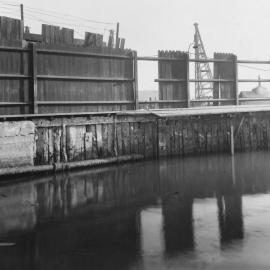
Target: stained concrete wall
column 17, row 144
column 62, row 140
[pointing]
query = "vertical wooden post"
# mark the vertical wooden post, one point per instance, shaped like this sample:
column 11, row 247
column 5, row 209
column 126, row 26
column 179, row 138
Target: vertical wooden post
column 160, row 97
column 33, row 85
column 187, row 80
column 233, row 171
column 22, row 21
column 111, row 39
column 236, row 81
column 135, row 79
column 225, row 70
column 232, row 139
column 219, row 91
column 117, row 39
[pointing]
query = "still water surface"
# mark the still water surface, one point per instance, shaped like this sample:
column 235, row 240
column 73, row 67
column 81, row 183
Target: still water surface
column 208, row 212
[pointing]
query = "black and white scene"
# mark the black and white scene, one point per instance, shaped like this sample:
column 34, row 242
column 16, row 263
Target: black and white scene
column 134, row 135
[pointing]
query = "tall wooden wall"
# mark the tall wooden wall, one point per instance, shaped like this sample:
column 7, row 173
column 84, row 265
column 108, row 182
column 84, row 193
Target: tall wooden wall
column 54, row 72
column 10, row 31
column 172, row 78
column 225, row 71
column 12, row 90
column 82, row 92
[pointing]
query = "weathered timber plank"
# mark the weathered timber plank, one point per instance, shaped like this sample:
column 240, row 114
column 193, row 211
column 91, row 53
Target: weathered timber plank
column 141, row 138
column 76, row 143
column 57, row 134
column 110, row 130
column 105, row 145
column 119, row 139
column 88, row 142
column 42, row 146
column 50, row 146
column 148, row 140
column 94, row 141
column 99, row 139
column 126, row 138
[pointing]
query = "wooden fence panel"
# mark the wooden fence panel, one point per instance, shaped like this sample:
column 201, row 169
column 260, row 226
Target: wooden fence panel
column 177, row 90
column 10, row 31
column 55, row 35
column 73, row 66
column 14, row 90
column 44, row 78
column 59, row 94
column 225, row 71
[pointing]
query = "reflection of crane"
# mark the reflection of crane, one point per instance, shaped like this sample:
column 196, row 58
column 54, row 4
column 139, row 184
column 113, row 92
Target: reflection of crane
column 202, row 69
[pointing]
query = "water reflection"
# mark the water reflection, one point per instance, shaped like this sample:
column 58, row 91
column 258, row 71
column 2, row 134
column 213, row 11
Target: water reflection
column 177, row 223
column 230, row 217
column 229, row 202
column 132, row 216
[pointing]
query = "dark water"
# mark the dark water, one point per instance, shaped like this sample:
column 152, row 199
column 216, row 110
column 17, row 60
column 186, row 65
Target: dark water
column 210, row 212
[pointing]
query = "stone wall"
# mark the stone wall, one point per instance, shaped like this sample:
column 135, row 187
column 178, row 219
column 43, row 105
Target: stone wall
column 17, row 144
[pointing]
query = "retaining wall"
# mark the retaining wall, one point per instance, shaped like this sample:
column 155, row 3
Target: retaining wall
column 77, row 140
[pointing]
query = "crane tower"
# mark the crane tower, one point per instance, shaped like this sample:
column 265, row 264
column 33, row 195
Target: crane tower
column 202, row 69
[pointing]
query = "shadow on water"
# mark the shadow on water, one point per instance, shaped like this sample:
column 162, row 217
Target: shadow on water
column 98, row 219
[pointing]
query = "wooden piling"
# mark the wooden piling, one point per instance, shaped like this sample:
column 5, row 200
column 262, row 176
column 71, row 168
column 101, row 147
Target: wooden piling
column 232, row 139
column 33, row 86
column 135, row 80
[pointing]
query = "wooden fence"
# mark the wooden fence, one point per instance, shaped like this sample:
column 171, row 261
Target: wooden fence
column 53, row 72
column 46, row 79
column 174, row 81
column 56, row 73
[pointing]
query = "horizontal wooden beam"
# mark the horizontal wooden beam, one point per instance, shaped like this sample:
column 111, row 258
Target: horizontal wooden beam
column 212, row 80
column 70, row 114
column 212, row 100
column 14, row 76
column 6, row 104
column 13, row 49
column 254, row 99
column 194, row 80
column 79, row 78
column 210, row 60
column 170, row 80
column 149, row 58
column 211, row 110
column 99, row 102
column 252, row 62
column 253, row 80
column 163, row 101
column 84, row 54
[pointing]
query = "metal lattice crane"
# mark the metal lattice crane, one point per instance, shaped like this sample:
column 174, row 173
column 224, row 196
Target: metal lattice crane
column 202, row 69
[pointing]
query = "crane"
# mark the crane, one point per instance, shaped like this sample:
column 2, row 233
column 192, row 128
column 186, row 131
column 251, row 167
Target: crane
column 202, row 69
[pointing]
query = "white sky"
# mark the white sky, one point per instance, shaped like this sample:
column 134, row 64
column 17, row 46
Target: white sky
column 235, row 26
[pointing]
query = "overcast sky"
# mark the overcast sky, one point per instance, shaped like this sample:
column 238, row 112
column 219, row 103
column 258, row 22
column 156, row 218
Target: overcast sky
column 236, row 26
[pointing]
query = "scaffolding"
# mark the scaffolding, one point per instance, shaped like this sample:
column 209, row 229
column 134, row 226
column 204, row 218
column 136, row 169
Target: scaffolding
column 202, row 69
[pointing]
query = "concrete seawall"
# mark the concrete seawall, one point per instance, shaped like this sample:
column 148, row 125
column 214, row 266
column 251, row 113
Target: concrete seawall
column 64, row 143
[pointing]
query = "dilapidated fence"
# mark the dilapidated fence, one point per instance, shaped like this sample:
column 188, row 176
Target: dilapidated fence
column 42, row 79
column 174, row 81
column 56, row 73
